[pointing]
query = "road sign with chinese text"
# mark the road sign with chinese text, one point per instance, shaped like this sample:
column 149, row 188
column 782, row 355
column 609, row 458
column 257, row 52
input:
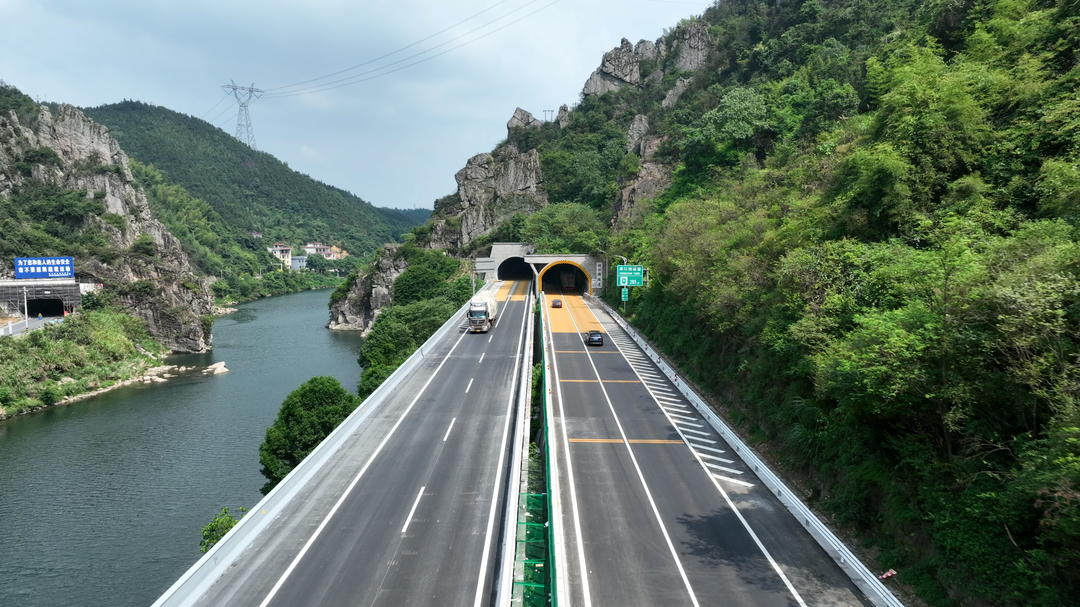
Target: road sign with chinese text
column 630, row 276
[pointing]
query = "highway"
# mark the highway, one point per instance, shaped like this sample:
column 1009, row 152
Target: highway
column 655, row 508
column 410, row 511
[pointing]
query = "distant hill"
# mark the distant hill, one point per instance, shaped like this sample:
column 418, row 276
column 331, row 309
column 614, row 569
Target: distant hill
column 251, row 191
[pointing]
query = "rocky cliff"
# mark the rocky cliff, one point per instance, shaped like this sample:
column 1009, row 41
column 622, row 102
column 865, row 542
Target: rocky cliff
column 492, row 188
column 685, row 50
column 368, row 295
column 155, row 282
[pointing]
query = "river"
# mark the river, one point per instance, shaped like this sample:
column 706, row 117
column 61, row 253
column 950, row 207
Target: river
column 102, row 502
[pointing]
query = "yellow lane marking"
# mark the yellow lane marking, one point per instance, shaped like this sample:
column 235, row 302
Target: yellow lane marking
column 639, row 441
column 606, row 381
column 596, row 440
column 586, row 321
column 578, row 381
column 520, row 291
column 584, row 351
column 504, row 290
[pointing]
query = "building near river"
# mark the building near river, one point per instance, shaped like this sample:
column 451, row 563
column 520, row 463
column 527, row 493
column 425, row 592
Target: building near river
column 283, row 252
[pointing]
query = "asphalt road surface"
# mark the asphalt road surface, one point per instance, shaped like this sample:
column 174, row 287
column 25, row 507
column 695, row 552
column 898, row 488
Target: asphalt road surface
column 409, row 512
column 655, row 508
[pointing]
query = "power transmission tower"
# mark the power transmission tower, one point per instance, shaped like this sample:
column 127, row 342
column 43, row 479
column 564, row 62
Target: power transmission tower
column 244, row 96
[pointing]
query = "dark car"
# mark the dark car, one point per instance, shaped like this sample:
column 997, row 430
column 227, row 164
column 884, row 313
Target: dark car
column 556, row 303
column 595, row 338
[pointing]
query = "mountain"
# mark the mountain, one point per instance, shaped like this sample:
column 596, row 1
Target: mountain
column 250, row 191
column 862, row 221
column 66, row 189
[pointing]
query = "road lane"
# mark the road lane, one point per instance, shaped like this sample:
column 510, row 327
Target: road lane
column 390, row 542
column 726, row 558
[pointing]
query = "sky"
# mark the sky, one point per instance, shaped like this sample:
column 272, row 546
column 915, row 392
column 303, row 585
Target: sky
column 395, row 133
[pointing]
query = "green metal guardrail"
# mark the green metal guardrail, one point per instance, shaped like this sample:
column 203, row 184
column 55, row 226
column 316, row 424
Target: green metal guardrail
column 535, row 572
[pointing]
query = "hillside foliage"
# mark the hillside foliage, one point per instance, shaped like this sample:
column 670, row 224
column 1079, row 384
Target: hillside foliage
column 869, row 250
column 250, row 191
column 87, row 351
column 425, row 296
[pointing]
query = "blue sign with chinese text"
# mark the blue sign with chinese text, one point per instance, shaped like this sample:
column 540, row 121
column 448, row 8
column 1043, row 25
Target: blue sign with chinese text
column 44, row 267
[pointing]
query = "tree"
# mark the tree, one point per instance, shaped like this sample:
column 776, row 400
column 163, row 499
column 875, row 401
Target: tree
column 212, row 533
column 308, row 415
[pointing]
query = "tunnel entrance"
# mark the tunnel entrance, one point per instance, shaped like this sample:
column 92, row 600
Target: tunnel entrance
column 45, row 307
column 566, row 278
column 515, row 268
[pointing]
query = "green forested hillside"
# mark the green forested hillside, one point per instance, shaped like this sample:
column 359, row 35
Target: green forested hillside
column 249, row 190
column 870, row 250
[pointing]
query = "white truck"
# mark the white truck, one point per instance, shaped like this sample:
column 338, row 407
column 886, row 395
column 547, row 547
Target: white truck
column 483, row 309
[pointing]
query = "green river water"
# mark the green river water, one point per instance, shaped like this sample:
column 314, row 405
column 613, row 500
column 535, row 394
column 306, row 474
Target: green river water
column 102, row 502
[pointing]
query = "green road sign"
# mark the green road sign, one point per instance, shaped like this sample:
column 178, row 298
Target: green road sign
column 625, row 294
column 630, row 276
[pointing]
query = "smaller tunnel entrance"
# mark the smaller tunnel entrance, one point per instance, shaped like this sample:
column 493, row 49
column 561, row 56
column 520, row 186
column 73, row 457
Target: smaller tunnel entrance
column 515, row 268
column 45, row 307
column 566, row 278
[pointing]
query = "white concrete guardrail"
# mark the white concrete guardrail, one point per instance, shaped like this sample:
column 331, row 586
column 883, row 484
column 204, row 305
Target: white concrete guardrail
column 202, row 575
column 848, row 562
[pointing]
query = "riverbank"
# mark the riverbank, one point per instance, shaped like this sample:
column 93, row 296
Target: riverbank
column 88, row 352
column 152, row 375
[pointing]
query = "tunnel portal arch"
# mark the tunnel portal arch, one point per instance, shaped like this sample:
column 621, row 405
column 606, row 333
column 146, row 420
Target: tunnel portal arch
column 566, row 262
column 514, row 268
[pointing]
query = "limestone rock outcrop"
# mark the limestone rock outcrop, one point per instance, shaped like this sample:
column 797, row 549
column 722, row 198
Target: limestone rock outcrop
column 676, row 91
column 522, row 120
column 162, row 288
column 564, row 116
column 620, row 66
column 636, row 133
column 369, row 294
column 492, row 188
column 694, row 46
column 652, row 178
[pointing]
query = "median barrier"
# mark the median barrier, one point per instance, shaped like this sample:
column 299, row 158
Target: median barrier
column 866, row 581
column 204, row 573
column 520, row 454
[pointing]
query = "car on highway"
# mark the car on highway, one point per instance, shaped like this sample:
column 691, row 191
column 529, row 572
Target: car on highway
column 595, row 338
column 556, row 303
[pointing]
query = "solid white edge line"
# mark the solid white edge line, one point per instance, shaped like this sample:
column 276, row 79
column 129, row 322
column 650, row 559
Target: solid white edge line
column 585, row 588
column 641, row 475
column 356, row 479
column 447, row 435
column 470, row 385
column 502, row 456
column 408, row 519
column 731, row 504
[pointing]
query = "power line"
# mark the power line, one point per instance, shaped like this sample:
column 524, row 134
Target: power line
column 391, row 53
column 215, row 105
column 319, row 87
column 356, row 79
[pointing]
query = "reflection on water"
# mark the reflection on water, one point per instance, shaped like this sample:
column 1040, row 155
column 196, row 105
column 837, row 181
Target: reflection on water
column 102, row 502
